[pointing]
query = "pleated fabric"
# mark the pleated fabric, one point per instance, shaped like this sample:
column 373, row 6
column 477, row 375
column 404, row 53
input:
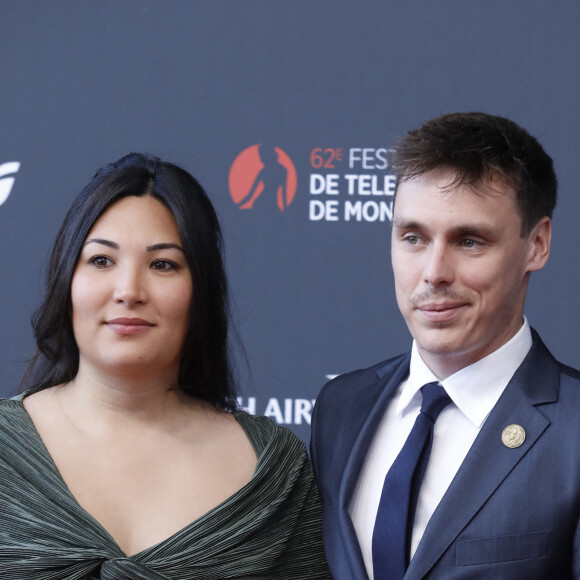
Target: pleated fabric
column 271, row 528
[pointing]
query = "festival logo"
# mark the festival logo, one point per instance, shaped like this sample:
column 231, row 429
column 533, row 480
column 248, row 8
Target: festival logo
column 263, row 174
column 341, row 184
column 6, row 182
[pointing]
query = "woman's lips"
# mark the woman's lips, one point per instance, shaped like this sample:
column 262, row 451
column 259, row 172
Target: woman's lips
column 129, row 325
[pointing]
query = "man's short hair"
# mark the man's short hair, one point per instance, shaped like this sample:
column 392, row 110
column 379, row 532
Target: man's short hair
column 475, row 147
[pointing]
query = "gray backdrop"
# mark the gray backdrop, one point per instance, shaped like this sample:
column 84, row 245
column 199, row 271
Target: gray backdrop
column 324, row 87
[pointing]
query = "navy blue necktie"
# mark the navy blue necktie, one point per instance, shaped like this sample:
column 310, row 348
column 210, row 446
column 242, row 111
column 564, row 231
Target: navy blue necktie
column 394, row 523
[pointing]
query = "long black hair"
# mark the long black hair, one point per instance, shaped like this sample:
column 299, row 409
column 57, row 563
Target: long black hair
column 205, row 367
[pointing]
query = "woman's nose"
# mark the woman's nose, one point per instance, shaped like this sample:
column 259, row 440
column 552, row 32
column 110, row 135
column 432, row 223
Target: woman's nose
column 129, row 287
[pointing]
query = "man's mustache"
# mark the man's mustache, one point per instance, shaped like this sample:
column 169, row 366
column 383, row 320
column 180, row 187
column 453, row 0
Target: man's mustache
column 441, row 294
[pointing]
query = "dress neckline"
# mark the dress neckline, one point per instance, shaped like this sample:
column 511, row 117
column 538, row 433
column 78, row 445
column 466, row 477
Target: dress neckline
column 241, row 417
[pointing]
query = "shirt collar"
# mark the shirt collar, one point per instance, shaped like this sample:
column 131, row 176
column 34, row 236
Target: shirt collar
column 474, row 389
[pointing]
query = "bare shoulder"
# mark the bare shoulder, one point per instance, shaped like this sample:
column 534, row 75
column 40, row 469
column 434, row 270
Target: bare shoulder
column 222, row 430
column 43, row 407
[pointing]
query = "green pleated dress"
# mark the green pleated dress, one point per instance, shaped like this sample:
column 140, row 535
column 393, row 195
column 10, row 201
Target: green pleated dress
column 271, row 528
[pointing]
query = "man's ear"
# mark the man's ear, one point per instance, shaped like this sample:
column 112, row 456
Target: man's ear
column 540, row 238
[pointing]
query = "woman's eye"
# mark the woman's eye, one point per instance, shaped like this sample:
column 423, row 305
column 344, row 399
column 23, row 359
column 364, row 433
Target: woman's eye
column 100, row 261
column 163, row 265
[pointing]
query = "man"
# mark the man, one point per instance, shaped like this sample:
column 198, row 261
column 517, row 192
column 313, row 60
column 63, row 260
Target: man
column 500, row 494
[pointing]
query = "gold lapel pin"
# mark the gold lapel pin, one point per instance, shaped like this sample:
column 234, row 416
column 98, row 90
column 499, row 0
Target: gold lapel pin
column 513, row 436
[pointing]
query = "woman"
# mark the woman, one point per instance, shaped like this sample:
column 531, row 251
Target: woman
column 126, row 457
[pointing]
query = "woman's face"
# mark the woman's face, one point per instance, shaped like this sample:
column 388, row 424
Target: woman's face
column 132, row 291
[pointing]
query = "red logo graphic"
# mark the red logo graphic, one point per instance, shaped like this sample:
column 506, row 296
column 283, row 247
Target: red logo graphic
column 262, row 171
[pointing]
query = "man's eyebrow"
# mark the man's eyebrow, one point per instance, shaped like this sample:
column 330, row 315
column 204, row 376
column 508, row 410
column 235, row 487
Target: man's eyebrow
column 107, row 243
column 165, row 246
column 406, row 224
column 475, row 230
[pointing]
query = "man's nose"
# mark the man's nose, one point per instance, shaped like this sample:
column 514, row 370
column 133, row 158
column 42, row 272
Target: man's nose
column 439, row 265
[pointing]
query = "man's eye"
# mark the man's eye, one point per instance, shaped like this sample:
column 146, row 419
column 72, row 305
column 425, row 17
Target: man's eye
column 469, row 243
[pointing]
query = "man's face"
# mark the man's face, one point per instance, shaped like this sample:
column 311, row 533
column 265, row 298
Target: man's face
column 461, row 267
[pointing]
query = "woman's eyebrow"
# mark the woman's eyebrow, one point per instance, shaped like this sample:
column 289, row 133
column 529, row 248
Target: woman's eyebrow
column 165, row 246
column 152, row 248
column 107, row 243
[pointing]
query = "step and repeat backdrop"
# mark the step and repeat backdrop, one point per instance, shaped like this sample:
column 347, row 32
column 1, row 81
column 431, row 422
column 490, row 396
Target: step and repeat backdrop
column 285, row 112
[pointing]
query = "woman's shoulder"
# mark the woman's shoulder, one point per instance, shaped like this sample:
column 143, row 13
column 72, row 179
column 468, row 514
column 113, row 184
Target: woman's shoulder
column 264, row 433
column 13, row 415
column 263, row 424
column 11, row 406
column 15, row 423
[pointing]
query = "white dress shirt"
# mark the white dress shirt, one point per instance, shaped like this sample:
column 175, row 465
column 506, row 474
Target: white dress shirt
column 474, row 390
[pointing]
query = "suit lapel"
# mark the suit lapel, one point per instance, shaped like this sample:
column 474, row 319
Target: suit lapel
column 489, row 461
column 376, row 398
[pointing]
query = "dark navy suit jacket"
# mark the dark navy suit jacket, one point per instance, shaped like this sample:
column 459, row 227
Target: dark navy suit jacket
column 508, row 513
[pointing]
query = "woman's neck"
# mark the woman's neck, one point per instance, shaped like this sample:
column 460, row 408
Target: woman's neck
column 106, row 398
